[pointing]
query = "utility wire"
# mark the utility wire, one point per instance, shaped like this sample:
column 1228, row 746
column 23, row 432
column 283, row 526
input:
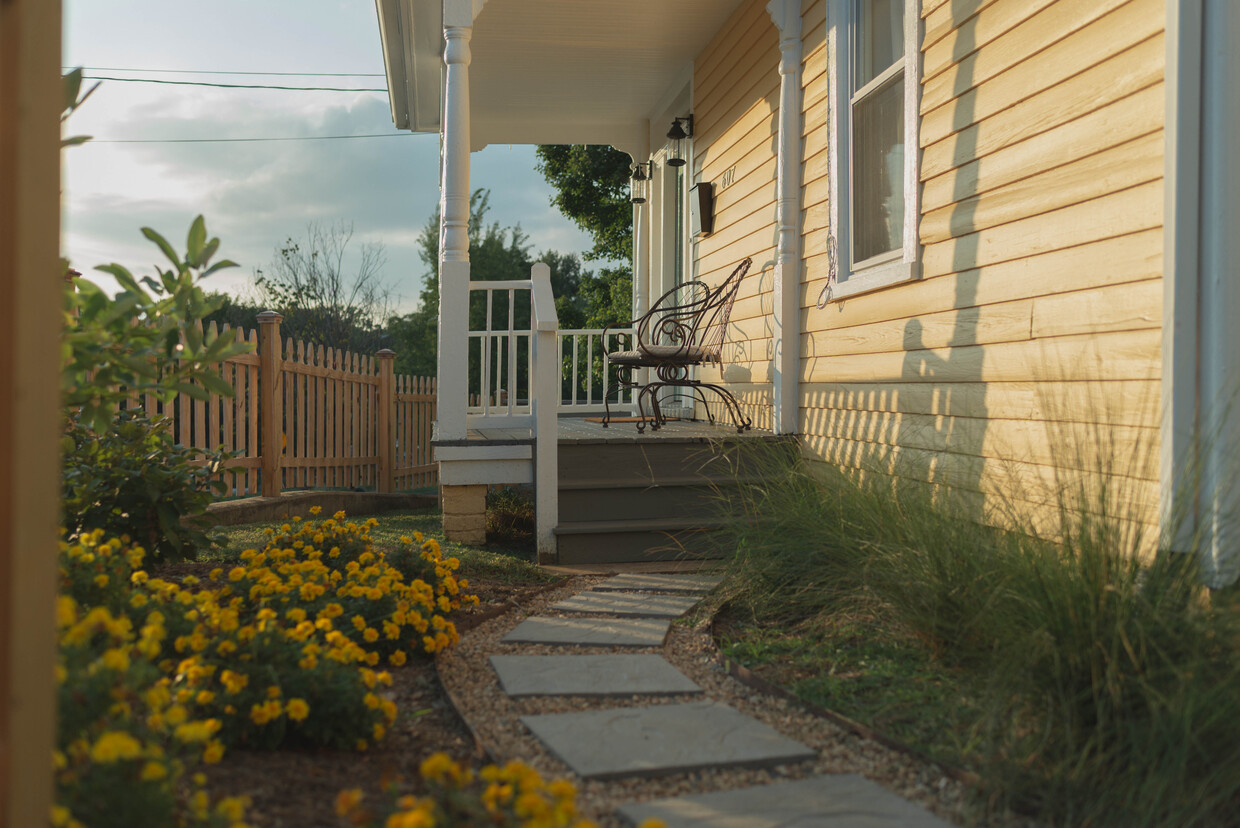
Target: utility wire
column 233, row 85
column 220, row 72
column 239, row 140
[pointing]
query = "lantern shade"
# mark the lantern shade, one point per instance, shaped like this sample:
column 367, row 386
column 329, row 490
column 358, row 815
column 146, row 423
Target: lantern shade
column 639, row 183
column 677, row 135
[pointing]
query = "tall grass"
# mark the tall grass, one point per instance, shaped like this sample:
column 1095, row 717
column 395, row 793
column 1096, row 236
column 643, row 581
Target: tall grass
column 1110, row 678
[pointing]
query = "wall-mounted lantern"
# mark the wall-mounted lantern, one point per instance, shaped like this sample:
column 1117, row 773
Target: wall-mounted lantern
column 682, row 129
column 639, row 184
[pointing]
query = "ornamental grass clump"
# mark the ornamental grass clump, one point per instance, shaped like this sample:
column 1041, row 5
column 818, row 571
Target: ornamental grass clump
column 1104, row 677
column 509, row 796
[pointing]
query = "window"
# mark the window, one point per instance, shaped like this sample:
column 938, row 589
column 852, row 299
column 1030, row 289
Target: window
column 876, row 204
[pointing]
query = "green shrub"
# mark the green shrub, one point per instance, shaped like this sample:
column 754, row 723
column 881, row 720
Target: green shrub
column 510, row 516
column 134, row 480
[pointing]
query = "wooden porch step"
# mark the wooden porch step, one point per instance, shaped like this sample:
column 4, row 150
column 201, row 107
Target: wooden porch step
column 624, row 541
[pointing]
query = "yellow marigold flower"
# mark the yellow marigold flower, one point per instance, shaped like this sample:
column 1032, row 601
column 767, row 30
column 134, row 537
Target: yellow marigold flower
column 372, row 659
column 347, row 801
column 235, row 682
column 116, row 659
column 114, row 746
column 197, row 731
column 204, row 697
column 152, row 771
column 236, row 573
column 176, row 714
column 298, row 709
column 361, row 744
column 101, row 580
column 216, row 574
column 61, row 673
column 273, row 692
column 315, row 510
column 60, row 816
column 397, row 658
column 213, row 752
column 379, row 732
column 137, row 600
column 139, row 577
column 359, row 623
column 371, row 635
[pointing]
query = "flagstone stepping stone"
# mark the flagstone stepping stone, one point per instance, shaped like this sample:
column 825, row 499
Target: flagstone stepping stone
column 591, row 632
column 662, row 739
column 636, row 605
column 590, row 675
column 817, row 802
column 634, row 582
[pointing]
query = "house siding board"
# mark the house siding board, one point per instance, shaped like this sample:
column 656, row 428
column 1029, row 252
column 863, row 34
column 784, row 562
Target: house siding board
column 1035, row 329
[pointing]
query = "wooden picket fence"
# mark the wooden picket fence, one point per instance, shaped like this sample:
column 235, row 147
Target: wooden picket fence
column 336, row 419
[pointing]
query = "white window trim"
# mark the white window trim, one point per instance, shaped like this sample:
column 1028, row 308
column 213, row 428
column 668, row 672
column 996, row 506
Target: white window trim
column 899, row 266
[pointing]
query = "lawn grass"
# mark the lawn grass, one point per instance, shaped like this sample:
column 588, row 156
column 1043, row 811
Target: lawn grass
column 506, row 564
column 1089, row 680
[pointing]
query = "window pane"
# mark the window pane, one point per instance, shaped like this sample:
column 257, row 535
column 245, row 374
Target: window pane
column 878, row 171
column 880, row 38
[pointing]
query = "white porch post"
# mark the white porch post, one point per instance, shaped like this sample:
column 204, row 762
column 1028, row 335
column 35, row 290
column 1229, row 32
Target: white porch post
column 454, row 227
column 787, row 281
column 1200, row 443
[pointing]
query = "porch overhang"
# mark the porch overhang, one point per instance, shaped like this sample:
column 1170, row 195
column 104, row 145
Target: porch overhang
column 556, row 71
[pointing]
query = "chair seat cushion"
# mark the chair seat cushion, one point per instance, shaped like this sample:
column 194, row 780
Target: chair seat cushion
column 650, row 355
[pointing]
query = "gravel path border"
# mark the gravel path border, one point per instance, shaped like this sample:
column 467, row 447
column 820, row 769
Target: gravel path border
column 492, row 716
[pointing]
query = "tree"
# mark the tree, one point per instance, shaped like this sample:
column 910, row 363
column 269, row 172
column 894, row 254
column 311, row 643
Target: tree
column 496, row 254
column 327, row 297
column 592, row 189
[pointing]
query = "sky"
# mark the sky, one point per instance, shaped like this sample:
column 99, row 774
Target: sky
column 256, row 195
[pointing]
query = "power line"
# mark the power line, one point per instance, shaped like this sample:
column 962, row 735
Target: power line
column 233, row 85
column 221, row 72
column 239, row 140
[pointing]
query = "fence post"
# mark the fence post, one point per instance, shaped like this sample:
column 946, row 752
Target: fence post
column 387, row 403
column 270, row 401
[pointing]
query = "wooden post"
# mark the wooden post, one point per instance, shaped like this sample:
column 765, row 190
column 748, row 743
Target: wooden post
column 387, row 405
column 31, row 97
column 270, row 402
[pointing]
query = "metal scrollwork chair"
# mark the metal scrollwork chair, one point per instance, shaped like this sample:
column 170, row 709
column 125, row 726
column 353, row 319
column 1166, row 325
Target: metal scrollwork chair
column 684, row 328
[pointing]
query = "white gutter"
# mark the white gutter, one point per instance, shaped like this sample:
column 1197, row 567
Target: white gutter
column 1200, row 436
column 411, row 32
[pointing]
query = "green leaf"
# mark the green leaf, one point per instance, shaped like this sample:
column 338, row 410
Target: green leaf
column 220, row 265
column 208, row 252
column 195, row 240
column 72, row 84
column 75, row 140
column 215, row 383
column 164, row 246
column 195, row 391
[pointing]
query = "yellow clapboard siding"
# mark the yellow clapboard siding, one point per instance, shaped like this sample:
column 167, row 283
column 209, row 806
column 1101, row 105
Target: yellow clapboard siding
column 1120, row 403
column 1125, row 355
column 761, row 100
column 1013, row 493
column 941, row 17
column 1128, row 211
column 953, row 40
column 1037, row 95
column 816, row 168
column 813, row 14
column 752, row 70
column 720, row 51
column 1006, row 322
column 754, row 174
column 752, row 213
column 738, row 139
column 759, row 246
column 1115, row 308
column 751, row 160
column 1138, row 114
column 1082, row 446
column 1120, row 168
column 1016, row 45
column 1126, row 258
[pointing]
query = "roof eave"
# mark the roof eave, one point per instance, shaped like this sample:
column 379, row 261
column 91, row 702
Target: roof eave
column 411, row 33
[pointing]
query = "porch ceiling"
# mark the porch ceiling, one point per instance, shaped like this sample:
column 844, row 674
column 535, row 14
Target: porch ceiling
column 563, row 71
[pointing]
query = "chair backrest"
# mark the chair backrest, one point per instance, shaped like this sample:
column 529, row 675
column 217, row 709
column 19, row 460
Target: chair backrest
column 693, row 316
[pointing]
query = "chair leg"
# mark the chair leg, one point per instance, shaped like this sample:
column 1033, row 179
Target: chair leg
column 624, row 379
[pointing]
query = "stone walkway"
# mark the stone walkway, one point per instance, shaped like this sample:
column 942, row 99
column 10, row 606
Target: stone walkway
column 698, row 733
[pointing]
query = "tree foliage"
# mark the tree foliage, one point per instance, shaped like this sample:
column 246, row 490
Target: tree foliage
column 592, row 189
column 326, row 295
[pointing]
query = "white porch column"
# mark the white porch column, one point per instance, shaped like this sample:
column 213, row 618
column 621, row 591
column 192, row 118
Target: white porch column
column 1200, row 443
column 453, row 367
column 787, row 282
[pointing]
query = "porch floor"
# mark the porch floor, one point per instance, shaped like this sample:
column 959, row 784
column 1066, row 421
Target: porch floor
column 576, row 430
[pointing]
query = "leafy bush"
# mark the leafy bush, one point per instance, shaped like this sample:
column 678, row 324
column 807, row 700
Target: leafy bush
column 510, row 516
column 134, row 480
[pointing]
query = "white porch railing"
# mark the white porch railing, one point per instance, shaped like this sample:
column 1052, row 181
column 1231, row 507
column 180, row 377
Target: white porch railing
column 501, row 351
column 584, row 383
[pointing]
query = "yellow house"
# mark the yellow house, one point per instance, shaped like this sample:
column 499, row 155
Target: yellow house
column 989, row 237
